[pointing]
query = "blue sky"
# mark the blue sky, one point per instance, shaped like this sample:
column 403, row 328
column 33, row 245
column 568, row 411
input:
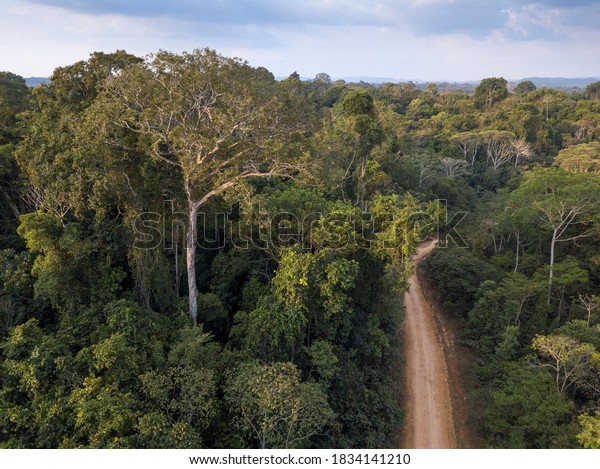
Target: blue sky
column 404, row 39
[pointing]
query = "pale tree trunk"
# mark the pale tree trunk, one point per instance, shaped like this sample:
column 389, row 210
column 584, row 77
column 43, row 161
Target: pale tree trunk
column 192, row 233
column 177, row 277
column 551, row 274
column 177, row 240
column 11, row 204
column 192, row 230
column 517, row 259
column 489, row 100
column 361, row 196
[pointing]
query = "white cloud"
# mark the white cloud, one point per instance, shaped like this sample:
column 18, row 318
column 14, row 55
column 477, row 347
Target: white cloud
column 532, row 16
column 412, row 39
column 36, row 39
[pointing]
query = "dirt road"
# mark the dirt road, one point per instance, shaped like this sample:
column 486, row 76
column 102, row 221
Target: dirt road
column 428, row 420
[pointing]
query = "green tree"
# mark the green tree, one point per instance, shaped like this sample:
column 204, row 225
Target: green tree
column 519, row 289
column 16, row 289
column 589, row 436
column 215, row 121
column 457, row 275
column 272, row 330
column 589, row 304
column 525, row 121
column 587, row 122
column 524, row 87
column 104, row 416
column 488, row 319
column 400, row 224
column 76, row 165
column 360, row 110
column 67, row 166
column 568, row 359
column 526, row 412
column 489, row 92
column 37, row 372
column 569, row 277
column 275, row 408
column 582, row 158
column 68, row 255
column 592, row 91
column 563, row 204
column 469, row 143
column 183, row 405
column 323, row 359
column 15, row 99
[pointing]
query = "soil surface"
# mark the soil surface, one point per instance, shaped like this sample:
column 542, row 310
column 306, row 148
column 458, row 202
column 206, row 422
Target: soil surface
column 429, row 419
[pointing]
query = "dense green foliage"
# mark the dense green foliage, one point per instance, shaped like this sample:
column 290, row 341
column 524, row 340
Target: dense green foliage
column 527, row 287
column 303, row 202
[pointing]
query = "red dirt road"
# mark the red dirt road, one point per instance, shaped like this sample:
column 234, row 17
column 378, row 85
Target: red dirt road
column 428, row 421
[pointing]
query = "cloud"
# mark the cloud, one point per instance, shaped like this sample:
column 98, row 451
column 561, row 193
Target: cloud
column 230, row 18
column 532, row 19
column 552, row 20
column 417, row 39
column 237, row 12
column 474, row 18
column 470, row 17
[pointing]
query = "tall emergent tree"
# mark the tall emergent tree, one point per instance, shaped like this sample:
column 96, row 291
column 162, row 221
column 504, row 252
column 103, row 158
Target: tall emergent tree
column 489, row 92
column 215, row 120
column 469, row 143
column 565, row 204
column 360, row 109
column 59, row 155
column 15, row 98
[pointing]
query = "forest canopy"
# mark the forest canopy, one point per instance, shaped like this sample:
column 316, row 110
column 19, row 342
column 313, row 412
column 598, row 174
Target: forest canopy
column 196, row 254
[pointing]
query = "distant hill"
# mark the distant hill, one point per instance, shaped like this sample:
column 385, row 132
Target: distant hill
column 540, row 82
column 36, row 81
column 557, row 82
column 374, row 80
column 469, row 85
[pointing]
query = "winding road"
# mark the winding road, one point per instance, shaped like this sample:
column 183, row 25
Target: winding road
column 428, row 420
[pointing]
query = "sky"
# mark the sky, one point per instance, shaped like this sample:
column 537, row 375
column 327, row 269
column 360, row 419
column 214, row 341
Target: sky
column 424, row 40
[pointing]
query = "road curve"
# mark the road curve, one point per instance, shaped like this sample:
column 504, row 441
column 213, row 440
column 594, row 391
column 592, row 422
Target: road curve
column 428, row 419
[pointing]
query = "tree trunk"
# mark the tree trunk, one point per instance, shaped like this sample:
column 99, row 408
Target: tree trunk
column 361, row 190
column 192, row 234
column 560, row 303
column 11, row 204
column 551, row 274
column 177, row 276
column 517, row 259
column 519, row 311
